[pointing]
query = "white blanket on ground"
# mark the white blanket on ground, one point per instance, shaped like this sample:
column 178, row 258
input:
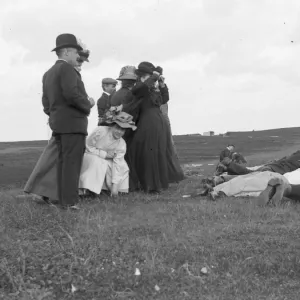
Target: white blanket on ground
column 254, row 183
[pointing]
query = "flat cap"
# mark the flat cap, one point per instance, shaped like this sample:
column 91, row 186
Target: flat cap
column 109, row 81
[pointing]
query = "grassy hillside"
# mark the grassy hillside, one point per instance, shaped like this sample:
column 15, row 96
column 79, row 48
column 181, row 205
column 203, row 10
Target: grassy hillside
column 140, row 247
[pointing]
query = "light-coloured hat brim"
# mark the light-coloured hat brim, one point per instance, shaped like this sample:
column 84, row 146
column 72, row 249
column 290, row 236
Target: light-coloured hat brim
column 125, row 125
column 132, row 77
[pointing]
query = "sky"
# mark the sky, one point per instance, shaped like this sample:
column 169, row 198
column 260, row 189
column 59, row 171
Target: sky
column 230, row 65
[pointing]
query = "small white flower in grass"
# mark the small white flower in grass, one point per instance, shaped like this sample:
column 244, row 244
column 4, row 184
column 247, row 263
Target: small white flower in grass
column 157, row 288
column 204, row 270
column 137, row 272
column 172, row 270
column 186, row 196
column 73, row 288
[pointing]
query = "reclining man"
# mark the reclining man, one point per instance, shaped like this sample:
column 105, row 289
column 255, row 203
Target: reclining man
column 284, row 165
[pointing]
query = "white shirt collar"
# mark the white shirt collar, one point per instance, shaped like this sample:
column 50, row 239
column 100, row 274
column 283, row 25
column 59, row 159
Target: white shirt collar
column 62, row 60
column 108, row 94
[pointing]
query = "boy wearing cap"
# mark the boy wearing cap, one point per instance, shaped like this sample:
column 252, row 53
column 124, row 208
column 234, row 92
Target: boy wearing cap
column 103, row 104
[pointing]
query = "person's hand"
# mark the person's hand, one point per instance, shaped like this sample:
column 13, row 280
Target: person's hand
column 114, row 190
column 110, row 155
column 161, row 81
column 92, row 101
column 159, row 70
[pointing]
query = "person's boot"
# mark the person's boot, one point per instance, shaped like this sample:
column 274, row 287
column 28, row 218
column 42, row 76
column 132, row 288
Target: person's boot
column 215, row 180
column 203, row 191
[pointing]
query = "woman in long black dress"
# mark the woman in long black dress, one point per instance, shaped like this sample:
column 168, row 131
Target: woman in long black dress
column 150, row 155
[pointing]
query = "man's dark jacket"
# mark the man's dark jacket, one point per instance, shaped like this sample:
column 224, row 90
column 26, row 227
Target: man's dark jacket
column 65, row 100
column 225, row 153
column 103, row 105
column 122, row 96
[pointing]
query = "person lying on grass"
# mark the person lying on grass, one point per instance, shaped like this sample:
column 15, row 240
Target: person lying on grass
column 249, row 180
column 285, row 164
column 104, row 166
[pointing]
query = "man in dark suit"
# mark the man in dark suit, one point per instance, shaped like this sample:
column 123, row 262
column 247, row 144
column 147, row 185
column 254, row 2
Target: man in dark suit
column 67, row 104
column 227, row 152
column 103, row 103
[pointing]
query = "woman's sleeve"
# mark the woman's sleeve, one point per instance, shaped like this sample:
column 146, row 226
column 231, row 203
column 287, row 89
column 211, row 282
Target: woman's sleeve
column 164, row 91
column 119, row 164
column 92, row 140
column 142, row 88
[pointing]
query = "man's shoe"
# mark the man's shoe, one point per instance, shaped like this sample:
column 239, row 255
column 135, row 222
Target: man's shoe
column 46, row 200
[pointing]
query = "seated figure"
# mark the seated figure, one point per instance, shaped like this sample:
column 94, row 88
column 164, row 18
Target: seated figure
column 228, row 155
column 227, row 152
column 104, row 166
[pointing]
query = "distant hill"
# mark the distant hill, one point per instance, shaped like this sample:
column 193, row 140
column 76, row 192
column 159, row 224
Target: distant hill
column 270, row 132
column 193, row 147
column 17, row 159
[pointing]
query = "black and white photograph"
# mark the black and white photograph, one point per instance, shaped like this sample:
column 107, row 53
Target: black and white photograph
column 150, row 149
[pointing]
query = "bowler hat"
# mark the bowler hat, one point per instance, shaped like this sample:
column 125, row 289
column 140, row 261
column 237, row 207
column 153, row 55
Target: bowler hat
column 109, row 81
column 145, row 67
column 67, row 40
column 127, row 72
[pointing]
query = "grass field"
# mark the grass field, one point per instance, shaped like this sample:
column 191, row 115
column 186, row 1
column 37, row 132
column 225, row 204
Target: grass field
column 151, row 247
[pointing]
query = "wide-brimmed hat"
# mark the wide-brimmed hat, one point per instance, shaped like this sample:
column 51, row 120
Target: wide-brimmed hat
column 124, row 120
column 145, row 67
column 67, row 40
column 84, row 55
column 119, row 117
column 127, row 72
